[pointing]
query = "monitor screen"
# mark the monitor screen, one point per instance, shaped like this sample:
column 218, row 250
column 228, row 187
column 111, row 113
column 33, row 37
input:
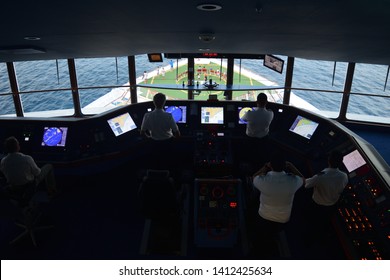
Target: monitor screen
column 242, row 111
column 155, row 57
column 211, row 115
column 179, row 113
column 121, row 124
column 54, row 136
column 304, row 127
column 353, row 161
column 273, row 63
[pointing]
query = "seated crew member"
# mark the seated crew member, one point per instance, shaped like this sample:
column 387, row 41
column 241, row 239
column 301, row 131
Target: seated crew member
column 277, row 189
column 257, row 128
column 158, row 124
column 327, row 187
column 21, row 170
column 259, row 120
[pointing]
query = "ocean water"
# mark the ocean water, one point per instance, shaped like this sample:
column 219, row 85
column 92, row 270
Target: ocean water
column 46, row 75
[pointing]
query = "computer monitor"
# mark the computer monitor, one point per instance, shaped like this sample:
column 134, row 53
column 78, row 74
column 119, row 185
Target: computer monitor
column 54, row 136
column 274, row 63
column 179, row 113
column 211, row 115
column 121, row 124
column 242, row 111
column 353, row 160
column 303, row 127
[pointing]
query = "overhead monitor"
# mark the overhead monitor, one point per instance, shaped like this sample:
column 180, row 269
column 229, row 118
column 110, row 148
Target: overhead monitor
column 211, row 115
column 353, row 160
column 54, row 136
column 242, row 111
column 179, row 113
column 303, row 127
column 274, row 63
column 155, row 57
column 122, row 124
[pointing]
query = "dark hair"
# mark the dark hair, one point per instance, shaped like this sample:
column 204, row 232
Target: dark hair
column 262, row 99
column 335, row 159
column 11, row 144
column 159, row 100
column 278, row 162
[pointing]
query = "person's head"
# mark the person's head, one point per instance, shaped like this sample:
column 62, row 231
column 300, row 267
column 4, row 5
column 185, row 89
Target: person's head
column 261, row 99
column 159, row 100
column 278, row 162
column 335, row 159
column 11, row 145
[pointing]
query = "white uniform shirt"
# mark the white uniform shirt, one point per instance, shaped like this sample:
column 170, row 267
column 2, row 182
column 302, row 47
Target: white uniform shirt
column 19, row 169
column 328, row 186
column 277, row 190
column 160, row 124
column 258, row 122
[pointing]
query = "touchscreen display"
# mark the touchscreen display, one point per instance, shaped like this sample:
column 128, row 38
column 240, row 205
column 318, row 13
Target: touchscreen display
column 122, row 124
column 304, row 127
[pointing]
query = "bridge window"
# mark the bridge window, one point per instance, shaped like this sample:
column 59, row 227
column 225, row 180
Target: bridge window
column 6, row 102
column 318, row 86
column 44, row 86
column 370, row 94
column 253, row 75
column 103, row 83
column 162, row 77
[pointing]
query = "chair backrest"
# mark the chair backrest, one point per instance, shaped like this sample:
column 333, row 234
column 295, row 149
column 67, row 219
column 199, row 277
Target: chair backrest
column 22, row 194
column 157, row 195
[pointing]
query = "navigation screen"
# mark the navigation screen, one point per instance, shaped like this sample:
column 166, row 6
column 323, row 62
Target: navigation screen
column 242, row 111
column 179, row 113
column 122, row 124
column 353, row 161
column 54, row 136
column 304, row 127
column 211, row 115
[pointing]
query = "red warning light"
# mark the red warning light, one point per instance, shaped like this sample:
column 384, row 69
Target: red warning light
column 210, row 54
column 233, row 204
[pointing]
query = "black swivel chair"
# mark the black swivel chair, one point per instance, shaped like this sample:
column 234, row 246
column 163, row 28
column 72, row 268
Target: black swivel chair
column 27, row 199
column 160, row 205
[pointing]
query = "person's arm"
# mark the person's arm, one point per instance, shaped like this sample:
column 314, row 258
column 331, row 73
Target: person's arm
column 245, row 117
column 174, row 127
column 176, row 133
column 311, row 182
column 34, row 167
column 144, row 131
column 292, row 169
column 262, row 171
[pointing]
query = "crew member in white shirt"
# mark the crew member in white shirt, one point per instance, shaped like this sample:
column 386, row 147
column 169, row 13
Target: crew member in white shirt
column 277, row 190
column 327, row 187
column 161, row 127
column 257, row 148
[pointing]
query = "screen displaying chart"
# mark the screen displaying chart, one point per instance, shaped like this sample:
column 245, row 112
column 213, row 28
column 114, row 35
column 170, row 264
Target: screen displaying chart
column 304, row 127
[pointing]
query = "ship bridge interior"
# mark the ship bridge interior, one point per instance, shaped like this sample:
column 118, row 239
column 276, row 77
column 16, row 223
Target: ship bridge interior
column 100, row 167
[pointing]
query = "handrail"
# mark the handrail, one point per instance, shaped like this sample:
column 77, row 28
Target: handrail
column 236, row 88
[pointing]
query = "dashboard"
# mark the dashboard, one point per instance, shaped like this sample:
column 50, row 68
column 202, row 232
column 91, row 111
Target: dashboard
column 210, row 127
